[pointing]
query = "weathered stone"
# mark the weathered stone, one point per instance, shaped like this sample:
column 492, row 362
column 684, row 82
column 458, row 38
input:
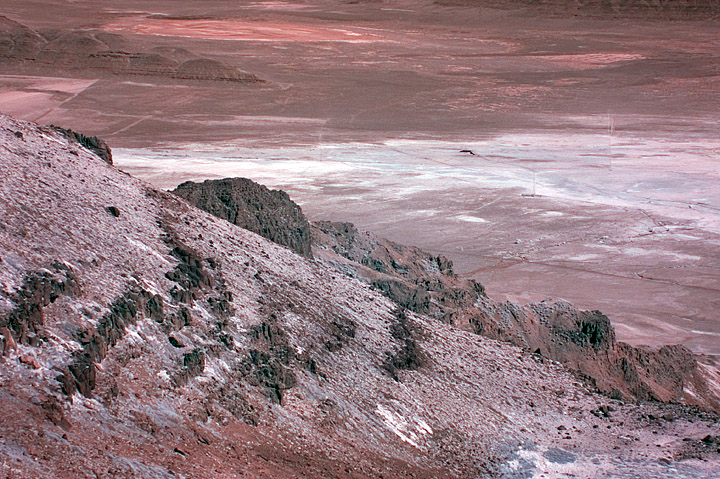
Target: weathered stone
column 190, row 272
column 175, row 342
column 154, row 307
column 406, row 357
column 9, row 343
column 270, row 213
column 109, row 330
column 92, row 143
column 83, row 373
column 26, row 321
column 194, row 362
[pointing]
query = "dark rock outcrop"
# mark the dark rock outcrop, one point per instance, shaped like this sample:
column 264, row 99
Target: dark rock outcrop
column 268, row 364
column 242, row 202
column 92, row 143
column 123, row 312
column 407, row 356
column 25, row 322
column 585, row 342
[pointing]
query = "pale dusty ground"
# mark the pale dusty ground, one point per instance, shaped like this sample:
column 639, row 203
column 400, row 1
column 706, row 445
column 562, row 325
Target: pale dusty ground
column 366, row 106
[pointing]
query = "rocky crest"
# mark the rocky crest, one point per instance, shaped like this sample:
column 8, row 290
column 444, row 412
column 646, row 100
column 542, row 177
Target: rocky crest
column 144, row 337
column 92, row 143
column 244, row 203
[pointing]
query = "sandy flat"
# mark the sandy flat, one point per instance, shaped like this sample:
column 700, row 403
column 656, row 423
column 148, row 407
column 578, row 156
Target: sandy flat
column 32, row 96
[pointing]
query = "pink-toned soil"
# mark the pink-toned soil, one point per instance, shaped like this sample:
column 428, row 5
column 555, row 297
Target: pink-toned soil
column 244, row 31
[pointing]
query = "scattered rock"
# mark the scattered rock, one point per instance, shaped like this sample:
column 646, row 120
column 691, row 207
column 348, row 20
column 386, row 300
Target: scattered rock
column 29, row 361
column 175, row 342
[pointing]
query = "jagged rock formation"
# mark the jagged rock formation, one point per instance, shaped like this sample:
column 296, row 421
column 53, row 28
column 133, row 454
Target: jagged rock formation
column 584, row 341
column 92, row 143
column 413, row 278
column 376, row 253
column 164, row 342
column 101, row 51
column 242, row 202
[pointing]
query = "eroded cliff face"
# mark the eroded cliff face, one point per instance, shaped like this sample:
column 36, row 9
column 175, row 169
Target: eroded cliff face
column 143, row 337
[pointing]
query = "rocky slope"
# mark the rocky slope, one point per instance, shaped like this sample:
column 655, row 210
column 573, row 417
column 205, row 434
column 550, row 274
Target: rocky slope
column 143, row 337
column 584, row 341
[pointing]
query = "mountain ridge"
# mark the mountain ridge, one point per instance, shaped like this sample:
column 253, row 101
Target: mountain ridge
column 584, row 341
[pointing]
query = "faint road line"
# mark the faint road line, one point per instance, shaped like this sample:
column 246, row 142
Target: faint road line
column 65, row 101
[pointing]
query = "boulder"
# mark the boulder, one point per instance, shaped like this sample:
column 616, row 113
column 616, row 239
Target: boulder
column 242, row 202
